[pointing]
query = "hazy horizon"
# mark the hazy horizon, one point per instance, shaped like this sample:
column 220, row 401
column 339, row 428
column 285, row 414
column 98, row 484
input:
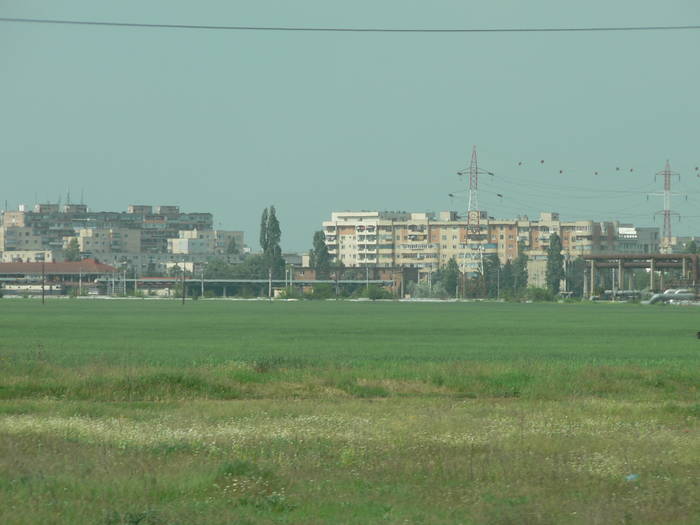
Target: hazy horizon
column 232, row 122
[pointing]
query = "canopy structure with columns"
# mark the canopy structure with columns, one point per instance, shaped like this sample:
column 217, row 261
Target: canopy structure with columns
column 687, row 263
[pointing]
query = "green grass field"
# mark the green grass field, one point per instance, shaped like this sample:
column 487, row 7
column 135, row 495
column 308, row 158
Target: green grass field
column 218, row 412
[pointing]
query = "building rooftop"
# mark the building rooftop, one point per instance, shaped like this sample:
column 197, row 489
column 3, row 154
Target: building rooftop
column 86, row 266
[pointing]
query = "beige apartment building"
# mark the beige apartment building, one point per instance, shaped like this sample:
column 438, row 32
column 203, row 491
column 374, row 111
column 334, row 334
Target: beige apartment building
column 214, row 242
column 19, row 238
column 427, row 241
column 95, row 241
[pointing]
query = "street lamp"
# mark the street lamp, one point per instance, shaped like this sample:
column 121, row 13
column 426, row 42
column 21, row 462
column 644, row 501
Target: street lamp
column 124, row 266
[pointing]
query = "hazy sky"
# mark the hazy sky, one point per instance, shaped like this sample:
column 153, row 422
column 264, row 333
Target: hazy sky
column 231, row 122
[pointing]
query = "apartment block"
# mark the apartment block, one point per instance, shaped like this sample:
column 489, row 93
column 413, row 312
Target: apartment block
column 139, row 209
column 146, row 238
column 23, row 238
column 92, row 241
column 145, row 264
column 216, row 242
column 51, row 224
column 427, row 240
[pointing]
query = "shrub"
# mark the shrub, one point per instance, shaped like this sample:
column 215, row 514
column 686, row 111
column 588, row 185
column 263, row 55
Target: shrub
column 536, row 294
column 355, row 389
column 424, row 290
column 374, row 292
column 322, row 291
column 291, row 293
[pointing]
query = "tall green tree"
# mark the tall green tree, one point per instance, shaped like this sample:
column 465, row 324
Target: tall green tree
column 491, row 276
column 151, row 270
column 270, row 236
column 72, row 252
column 274, row 233
column 691, row 247
column 263, row 230
column 520, row 271
column 554, row 272
column 218, row 269
column 232, row 247
column 507, row 286
column 252, row 267
column 450, row 277
column 320, row 259
column 574, row 276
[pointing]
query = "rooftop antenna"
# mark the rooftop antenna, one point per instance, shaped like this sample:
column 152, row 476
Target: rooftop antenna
column 82, row 195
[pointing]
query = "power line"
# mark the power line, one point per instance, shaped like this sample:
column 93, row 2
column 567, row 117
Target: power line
column 349, row 29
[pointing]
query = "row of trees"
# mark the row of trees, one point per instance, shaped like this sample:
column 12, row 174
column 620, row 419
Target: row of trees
column 269, row 263
column 507, row 280
column 492, row 280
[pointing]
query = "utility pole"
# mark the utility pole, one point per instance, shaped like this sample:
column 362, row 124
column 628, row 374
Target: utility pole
column 498, row 280
column 269, row 284
column 666, row 212
column 80, row 282
column 202, row 281
column 183, row 283
column 337, row 291
column 43, row 281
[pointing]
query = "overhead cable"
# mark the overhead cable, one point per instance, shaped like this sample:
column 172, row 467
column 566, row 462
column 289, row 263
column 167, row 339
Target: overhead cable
column 348, row 29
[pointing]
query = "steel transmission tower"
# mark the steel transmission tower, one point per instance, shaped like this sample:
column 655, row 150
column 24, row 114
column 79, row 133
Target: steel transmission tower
column 473, row 212
column 667, row 212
